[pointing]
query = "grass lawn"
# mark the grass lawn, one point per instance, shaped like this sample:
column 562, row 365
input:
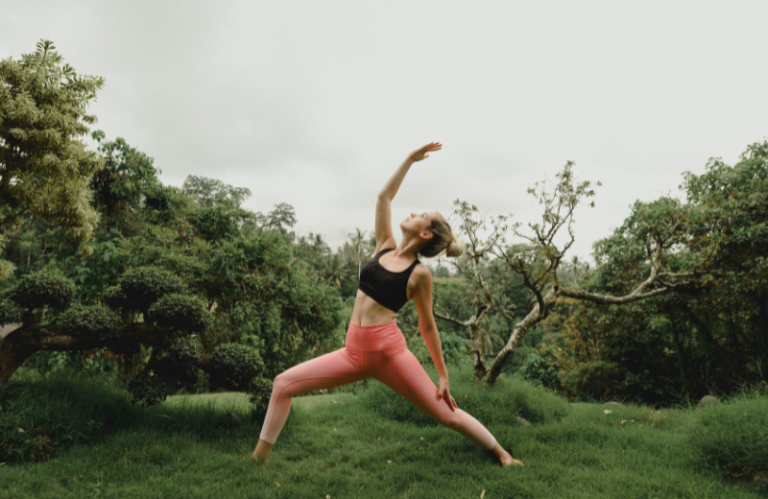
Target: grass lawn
column 370, row 445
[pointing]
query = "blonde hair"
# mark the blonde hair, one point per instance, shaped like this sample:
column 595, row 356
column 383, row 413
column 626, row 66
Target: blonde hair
column 443, row 238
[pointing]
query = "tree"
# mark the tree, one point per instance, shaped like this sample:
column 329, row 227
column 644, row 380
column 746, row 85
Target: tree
column 44, row 169
column 644, row 253
column 43, row 302
column 211, row 192
column 469, row 266
column 123, row 184
column 356, row 248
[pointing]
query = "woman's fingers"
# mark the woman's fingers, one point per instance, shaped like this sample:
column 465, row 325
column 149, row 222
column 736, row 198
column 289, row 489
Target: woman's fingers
column 444, row 395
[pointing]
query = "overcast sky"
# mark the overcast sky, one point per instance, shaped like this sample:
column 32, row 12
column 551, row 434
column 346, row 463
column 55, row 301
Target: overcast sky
column 316, row 103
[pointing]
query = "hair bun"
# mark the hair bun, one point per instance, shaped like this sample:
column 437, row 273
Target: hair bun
column 455, row 247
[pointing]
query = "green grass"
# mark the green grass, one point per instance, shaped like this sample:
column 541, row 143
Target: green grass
column 340, row 444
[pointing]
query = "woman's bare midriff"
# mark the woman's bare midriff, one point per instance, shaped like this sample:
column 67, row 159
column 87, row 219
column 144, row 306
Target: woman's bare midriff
column 367, row 312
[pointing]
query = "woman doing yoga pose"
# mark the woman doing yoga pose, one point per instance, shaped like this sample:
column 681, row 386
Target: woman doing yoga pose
column 374, row 346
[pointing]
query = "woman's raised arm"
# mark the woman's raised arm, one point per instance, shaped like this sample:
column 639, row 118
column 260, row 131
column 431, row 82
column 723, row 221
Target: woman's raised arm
column 393, row 184
column 383, row 227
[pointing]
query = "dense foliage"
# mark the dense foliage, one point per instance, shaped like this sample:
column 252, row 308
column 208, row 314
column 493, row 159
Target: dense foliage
column 171, row 289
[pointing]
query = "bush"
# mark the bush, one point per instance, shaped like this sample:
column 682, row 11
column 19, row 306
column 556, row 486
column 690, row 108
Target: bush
column 593, row 380
column 173, row 368
column 43, row 288
column 180, row 313
column 57, row 412
column 148, row 389
column 93, row 323
column 179, row 361
column 10, row 313
column 234, row 367
column 158, row 197
column 732, row 437
column 536, row 370
column 115, row 297
column 455, row 348
column 143, row 286
column 501, row 404
column 260, row 392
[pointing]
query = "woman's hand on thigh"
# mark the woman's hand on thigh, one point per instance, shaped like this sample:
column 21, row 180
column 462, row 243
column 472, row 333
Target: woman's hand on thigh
column 443, row 393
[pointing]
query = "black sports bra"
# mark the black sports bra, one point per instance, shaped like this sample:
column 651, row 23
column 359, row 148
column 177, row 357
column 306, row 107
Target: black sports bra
column 387, row 288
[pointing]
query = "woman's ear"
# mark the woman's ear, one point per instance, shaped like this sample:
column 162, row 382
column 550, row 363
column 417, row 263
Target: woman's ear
column 426, row 234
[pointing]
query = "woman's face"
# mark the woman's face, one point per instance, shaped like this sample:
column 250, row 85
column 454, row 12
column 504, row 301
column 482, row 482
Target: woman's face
column 416, row 223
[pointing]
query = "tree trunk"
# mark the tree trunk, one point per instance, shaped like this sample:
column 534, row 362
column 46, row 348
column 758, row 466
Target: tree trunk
column 478, row 353
column 521, row 328
column 21, row 343
column 13, row 353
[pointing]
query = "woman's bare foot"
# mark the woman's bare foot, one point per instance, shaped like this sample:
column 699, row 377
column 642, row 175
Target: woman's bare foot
column 263, row 448
column 505, row 458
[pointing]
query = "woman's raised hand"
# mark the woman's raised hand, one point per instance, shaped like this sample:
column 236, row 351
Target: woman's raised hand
column 422, row 153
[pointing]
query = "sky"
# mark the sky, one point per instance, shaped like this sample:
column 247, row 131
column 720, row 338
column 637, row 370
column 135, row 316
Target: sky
column 316, row 103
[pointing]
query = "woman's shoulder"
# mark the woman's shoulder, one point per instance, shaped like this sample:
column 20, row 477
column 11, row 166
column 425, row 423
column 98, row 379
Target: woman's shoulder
column 422, row 273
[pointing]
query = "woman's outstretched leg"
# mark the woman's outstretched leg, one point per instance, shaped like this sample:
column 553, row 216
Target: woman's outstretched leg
column 404, row 374
column 336, row 368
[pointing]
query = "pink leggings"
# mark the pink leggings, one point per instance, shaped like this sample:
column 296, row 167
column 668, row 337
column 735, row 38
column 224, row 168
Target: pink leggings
column 377, row 352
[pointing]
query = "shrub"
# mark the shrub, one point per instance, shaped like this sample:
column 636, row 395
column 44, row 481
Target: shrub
column 181, row 313
column 174, row 368
column 536, row 370
column 455, row 348
column 260, row 392
column 10, row 313
column 732, row 437
column 179, row 361
column 95, row 323
column 143, row 286
column 234, row 367
column 148, row 389
column 157, row 197
column 593, row 380
column 115, row 297
column 57, row 412
column 43, row 288
column 501, row 404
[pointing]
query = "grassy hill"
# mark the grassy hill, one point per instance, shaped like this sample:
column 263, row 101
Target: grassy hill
column 373, row 444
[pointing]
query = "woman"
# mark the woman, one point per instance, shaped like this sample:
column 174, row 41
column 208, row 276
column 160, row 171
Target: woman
column 375, row 346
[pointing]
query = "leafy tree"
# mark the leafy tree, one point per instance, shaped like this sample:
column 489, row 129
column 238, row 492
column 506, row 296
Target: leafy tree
column 708, row 336
column 44, row 169
column 211, row 192
column 51, row 322
column 121, row 186
column 643, row 261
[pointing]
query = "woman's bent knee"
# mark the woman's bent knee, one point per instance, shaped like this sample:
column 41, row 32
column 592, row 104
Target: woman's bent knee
column 451, row 420
column 280, row 384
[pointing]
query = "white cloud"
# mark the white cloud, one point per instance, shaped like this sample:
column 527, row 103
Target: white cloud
column 317, row 103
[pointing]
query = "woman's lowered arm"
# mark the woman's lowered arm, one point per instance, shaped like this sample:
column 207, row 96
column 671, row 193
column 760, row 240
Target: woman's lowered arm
column 422, row 297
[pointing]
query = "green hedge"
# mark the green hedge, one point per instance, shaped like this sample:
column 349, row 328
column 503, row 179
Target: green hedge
column 39, row 289
column 92, row 323
column 180, row 313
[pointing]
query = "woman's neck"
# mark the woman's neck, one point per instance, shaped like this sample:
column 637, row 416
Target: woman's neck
column 408, row 248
